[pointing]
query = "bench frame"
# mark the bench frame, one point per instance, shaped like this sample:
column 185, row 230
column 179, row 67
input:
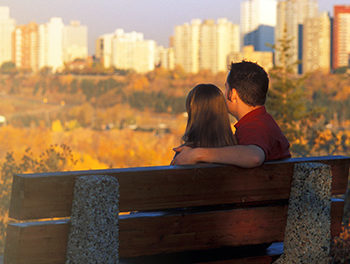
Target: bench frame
column 207, row 206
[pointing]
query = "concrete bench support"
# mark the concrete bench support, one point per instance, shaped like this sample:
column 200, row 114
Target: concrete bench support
column 308, row 236
column 93, row 236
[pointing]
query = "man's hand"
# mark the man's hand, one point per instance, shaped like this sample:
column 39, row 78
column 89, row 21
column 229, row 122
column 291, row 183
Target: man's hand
column 186, row 155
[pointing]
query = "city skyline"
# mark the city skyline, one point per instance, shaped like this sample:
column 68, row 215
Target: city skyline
column 156, row 19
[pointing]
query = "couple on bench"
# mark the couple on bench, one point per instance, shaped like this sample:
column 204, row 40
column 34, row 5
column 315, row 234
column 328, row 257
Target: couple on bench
column 208, row 136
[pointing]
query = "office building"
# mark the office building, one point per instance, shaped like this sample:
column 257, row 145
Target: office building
column 341, row 36
column 258, row 21
column 7, row 25
column 317, row 43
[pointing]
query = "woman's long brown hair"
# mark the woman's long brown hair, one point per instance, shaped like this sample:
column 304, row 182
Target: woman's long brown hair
column 208, row 123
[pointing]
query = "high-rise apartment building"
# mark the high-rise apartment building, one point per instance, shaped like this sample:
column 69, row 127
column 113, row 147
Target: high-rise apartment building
column 51, row 44
column 75, row 42
column 341, row 36
column 317, row 43
column 165, row 57
column 104, row 50
column 7, row 25
column 291, row 15
column 227, row 41
column 131, row 51
column 205, row 45
column 186, row 45
column 258, row 21
column 25, row 46
column 208, row 46
column 126, row 51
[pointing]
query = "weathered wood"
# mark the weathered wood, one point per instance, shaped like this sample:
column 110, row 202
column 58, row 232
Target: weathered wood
column 45, row 242
column 36, row 243
column 176, row 233
column 337, row 210
column 50, row 195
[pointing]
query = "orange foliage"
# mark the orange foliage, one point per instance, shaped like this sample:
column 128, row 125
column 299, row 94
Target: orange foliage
column 140, row 83
column 341, row 247
column 95, row 149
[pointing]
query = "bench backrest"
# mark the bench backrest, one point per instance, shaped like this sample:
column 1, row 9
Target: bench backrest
column 225, row 206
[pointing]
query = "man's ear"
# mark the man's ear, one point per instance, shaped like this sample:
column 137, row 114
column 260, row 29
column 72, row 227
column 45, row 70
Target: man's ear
column 232, row 95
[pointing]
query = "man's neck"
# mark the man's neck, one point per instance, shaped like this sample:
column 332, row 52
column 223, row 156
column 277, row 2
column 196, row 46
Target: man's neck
column 245, row 109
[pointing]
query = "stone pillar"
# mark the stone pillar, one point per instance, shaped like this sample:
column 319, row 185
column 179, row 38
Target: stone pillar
column 307, row 236
column 93, row 236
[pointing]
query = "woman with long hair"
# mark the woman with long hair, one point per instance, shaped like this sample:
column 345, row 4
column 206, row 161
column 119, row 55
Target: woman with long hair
column 208, row 123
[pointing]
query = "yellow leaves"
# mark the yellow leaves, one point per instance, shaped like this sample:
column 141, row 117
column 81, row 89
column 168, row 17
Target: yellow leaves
column 56, row 126
column 87, row 162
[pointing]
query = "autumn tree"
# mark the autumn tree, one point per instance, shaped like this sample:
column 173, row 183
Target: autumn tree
column 286, row 98
column 55, row 158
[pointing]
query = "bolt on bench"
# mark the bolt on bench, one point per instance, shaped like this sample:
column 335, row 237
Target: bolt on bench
column 200, row 207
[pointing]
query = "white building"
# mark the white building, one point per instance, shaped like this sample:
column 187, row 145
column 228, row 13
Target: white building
column 75, row 42
column 126, row 51
column 165, row 57
column 131, row 51
column 317, row 43
column 7, row 25
column 186, row 45
column 51, row 44
column 291, row 15
column 227, row 41
column 258, row 21
column 205, row 45
column 104, row 49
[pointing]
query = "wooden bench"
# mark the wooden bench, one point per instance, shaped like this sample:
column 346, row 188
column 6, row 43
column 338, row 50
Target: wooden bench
column 181, row 208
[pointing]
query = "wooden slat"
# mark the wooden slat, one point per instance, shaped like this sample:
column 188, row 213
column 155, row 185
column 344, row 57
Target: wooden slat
column 149, row 236
column 337, row 210
column 48, row 195
column 36, row 243
column 177, row 233
column 45, row 242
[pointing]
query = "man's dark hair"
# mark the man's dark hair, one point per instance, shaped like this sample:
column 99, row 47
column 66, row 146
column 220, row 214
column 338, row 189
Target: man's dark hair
column 250, row 81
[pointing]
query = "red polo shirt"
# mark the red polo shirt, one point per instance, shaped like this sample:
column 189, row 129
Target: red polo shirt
column 260, row 129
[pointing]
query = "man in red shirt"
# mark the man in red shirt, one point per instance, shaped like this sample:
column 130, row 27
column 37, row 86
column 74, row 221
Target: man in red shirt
column 259, row 137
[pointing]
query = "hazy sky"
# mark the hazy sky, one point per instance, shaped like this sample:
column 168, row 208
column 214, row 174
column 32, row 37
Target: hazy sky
column 155, row 18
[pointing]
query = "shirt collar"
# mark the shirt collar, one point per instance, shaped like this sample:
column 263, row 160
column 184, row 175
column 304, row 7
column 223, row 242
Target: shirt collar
column 254, row 113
